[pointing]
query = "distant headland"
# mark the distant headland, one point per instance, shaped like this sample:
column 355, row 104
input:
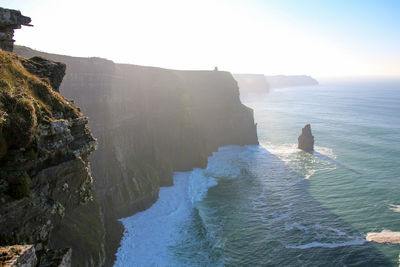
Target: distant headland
column 258, row 84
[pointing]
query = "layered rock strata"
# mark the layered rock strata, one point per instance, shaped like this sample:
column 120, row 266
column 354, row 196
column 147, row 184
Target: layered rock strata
column 9, row 21
column 44, row 147
column 149, row 123
column 18, row 255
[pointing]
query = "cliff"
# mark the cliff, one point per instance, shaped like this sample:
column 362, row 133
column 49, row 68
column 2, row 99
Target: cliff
column 251, row 85
column 279, row 81
column 44, row 147
column 149, row 122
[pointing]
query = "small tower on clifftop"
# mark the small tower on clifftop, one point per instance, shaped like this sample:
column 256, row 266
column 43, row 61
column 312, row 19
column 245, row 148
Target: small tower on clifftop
column 9, row 21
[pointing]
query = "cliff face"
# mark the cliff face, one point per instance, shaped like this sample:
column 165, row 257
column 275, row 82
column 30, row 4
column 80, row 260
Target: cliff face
column 150, row 122
column 44, row 147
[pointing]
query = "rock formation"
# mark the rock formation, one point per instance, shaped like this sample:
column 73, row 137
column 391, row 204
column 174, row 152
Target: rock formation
column 306, row 139
column 18, row 255
column 44, row 147
column 149, row 122
column 9, row 21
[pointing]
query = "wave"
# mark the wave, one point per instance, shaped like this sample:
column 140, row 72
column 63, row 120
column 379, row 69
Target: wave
column 355, row 242
column 386, row 236
column 199, row 185
column 395, row 208
column 286, row 149
column 153, row 231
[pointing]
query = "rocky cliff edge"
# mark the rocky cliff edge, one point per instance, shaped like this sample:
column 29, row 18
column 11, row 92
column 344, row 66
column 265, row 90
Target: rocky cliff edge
column 44, row 147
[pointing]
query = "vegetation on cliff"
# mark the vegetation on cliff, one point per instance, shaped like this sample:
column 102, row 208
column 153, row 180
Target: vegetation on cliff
column 26, row 101
column 44, row 147
column 149, row 122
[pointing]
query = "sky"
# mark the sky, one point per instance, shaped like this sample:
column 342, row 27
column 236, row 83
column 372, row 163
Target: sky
column 325, row 38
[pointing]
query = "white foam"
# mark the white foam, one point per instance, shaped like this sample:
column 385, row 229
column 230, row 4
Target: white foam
column 149, row 234
column 386, row 236
column 199, row 184
column 329, row 245
column 286, row 150
column 295, row 158
column 395, row 208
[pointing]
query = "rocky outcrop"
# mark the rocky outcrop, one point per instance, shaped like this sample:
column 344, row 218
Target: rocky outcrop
column 44, row 147
column 18, row 255
column 149, row 123
column 56, row 258
column 53, row 71
column 9, row 21
column 306, row 139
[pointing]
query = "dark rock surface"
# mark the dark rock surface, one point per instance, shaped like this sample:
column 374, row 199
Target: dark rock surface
column 149, row 122
column 9, row 21
column 43, row 68
column 306, row 139
column 44, row 147
column 56, row 258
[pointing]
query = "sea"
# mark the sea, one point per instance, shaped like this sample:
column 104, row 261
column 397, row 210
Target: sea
column 275, row 205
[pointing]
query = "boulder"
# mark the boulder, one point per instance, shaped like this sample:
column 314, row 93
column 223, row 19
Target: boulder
column 306, row 139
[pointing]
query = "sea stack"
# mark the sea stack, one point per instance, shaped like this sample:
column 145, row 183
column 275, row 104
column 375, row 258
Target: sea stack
column 306, row 139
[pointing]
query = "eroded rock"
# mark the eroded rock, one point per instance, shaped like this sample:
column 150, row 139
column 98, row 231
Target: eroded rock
column 306, row 139
column 44, row 167
column 56, row 257
column 9, row 21
column 18, row 255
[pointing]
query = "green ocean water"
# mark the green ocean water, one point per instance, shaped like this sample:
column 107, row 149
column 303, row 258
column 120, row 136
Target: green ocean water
column 355, row 171
column 274, row 205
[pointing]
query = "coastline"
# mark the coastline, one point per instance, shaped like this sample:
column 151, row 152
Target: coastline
column 157, row 227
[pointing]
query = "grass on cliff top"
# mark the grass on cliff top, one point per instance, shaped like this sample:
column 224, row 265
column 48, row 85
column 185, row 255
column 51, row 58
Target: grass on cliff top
column 25, row 101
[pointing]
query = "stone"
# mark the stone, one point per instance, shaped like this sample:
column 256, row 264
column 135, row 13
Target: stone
column 9, row 21
column 49, row 70
column 56, row 258
column 47, row 175
column 18, row 255
column 306, row 139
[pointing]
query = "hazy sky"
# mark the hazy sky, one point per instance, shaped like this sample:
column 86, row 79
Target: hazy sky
column 320, row 38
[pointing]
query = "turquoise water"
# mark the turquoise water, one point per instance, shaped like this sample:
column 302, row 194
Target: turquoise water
column 273, row 205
